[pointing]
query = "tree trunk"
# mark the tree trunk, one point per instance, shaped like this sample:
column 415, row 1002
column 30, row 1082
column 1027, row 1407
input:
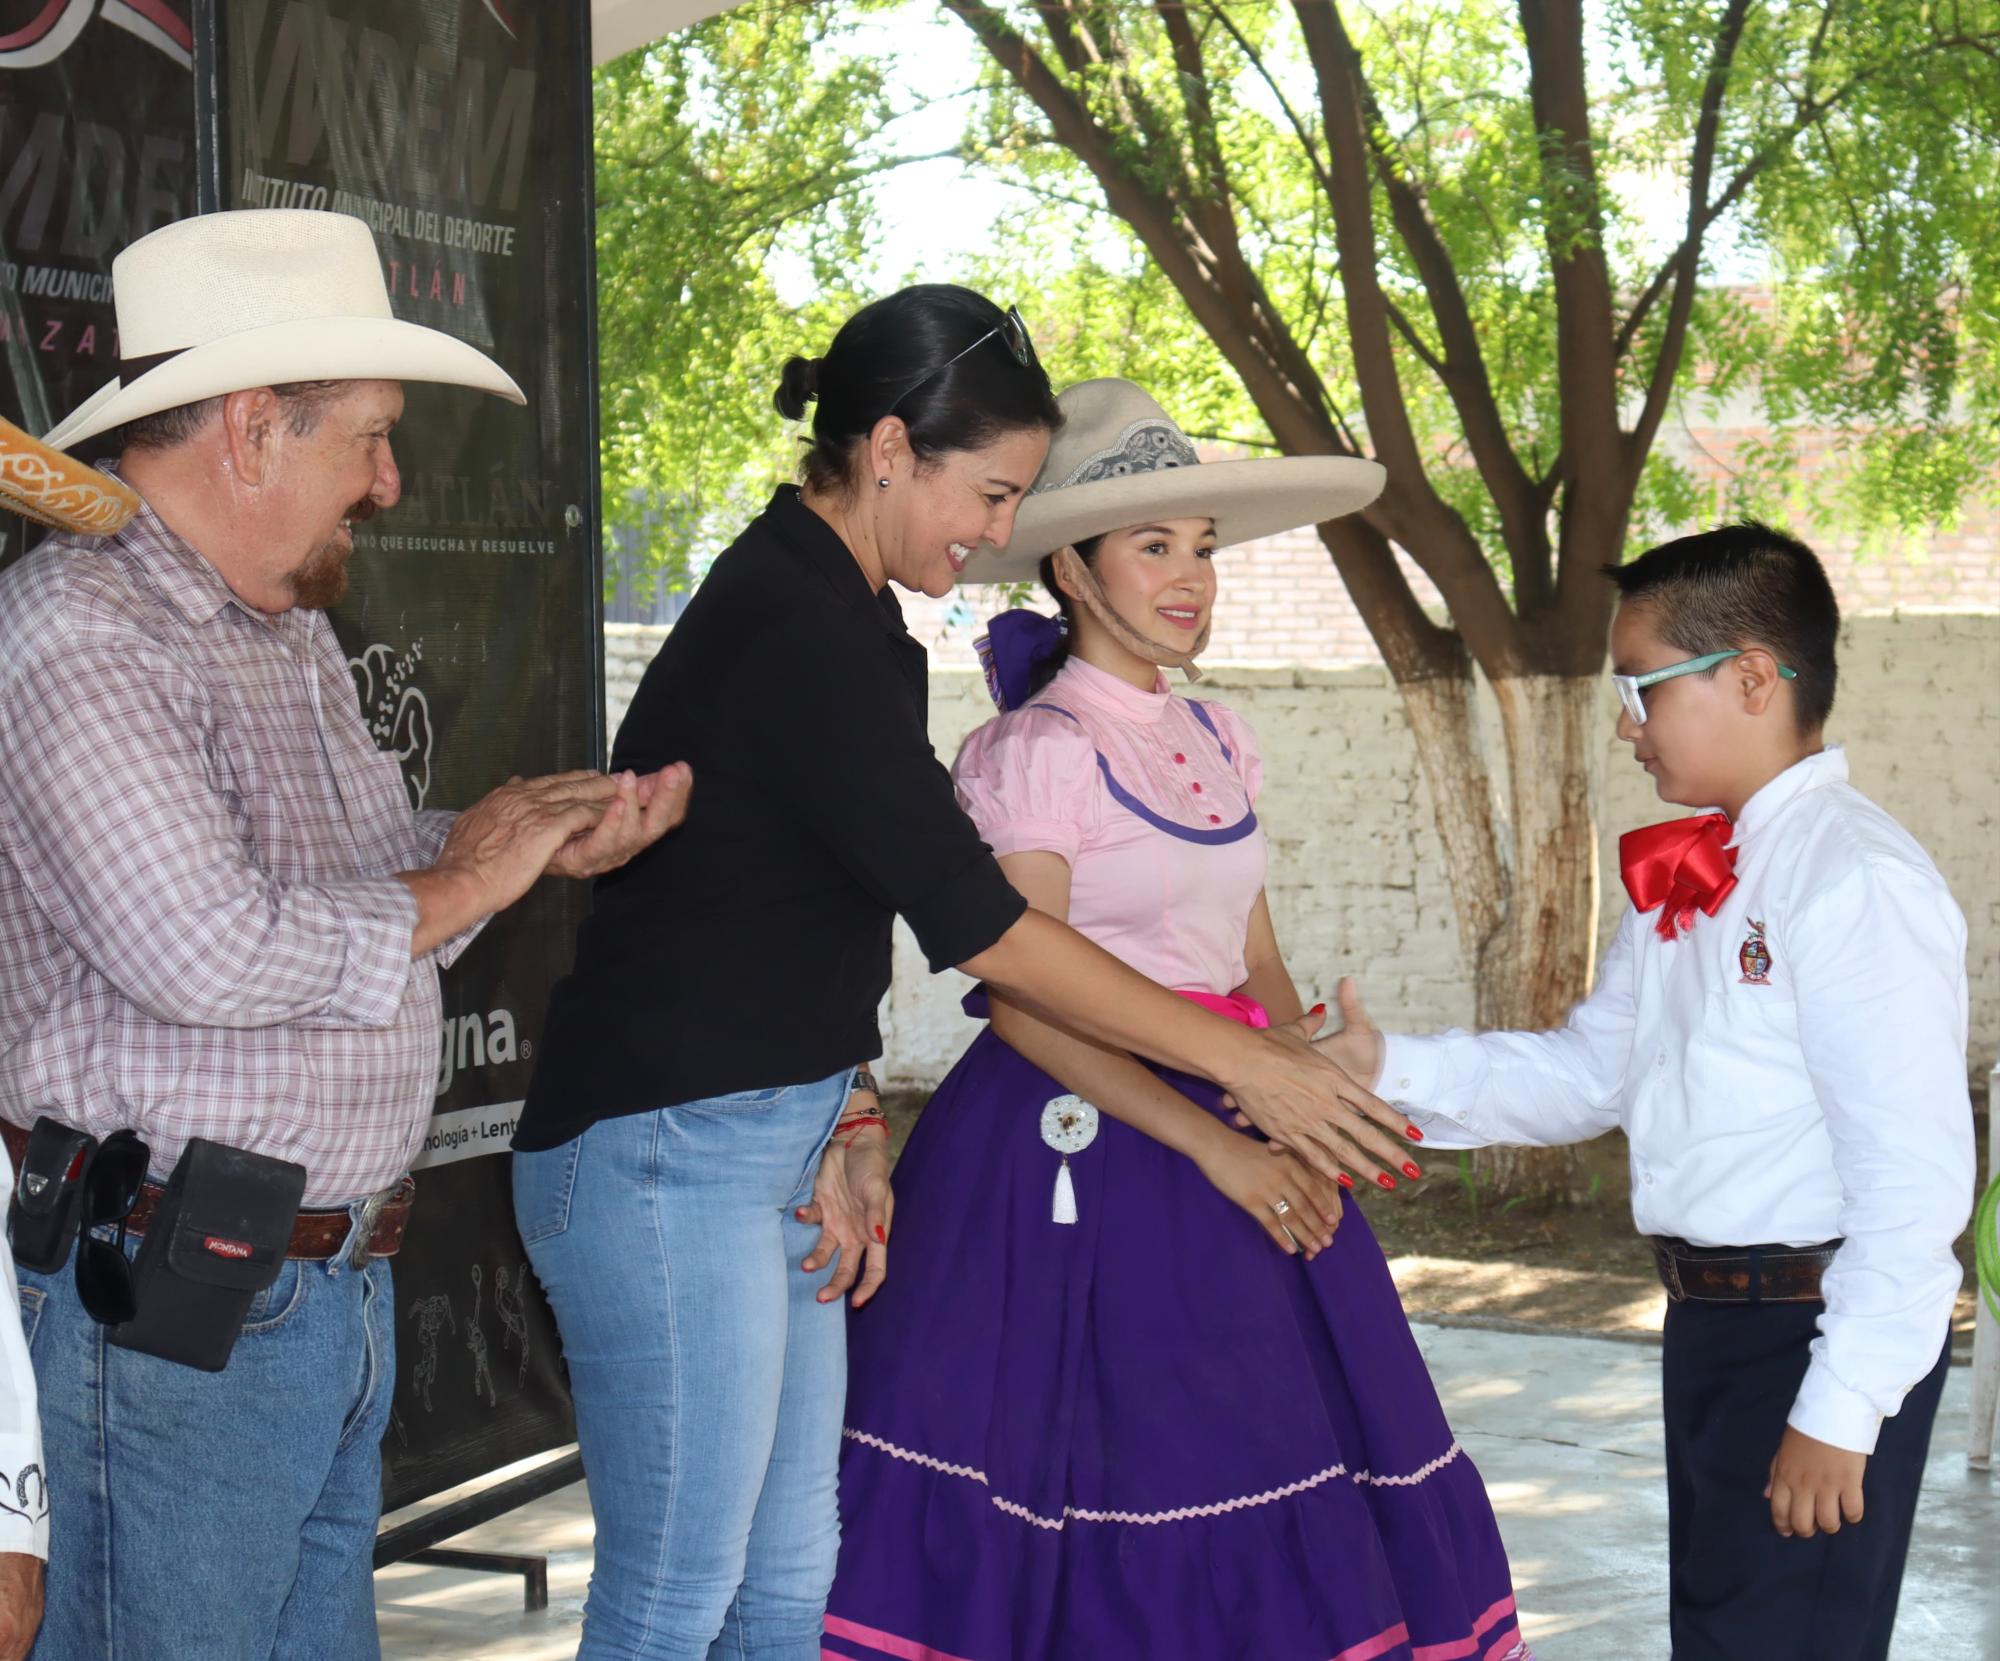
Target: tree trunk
column 1525, row 889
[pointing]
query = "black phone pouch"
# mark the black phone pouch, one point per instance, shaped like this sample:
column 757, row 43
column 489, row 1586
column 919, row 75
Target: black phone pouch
column 218, row 1238
column 48, row 1195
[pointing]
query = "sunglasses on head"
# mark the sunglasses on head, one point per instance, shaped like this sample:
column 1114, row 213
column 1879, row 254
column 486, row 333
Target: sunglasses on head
column 111, row 1187
column 1631, row 688
column 1013, row 333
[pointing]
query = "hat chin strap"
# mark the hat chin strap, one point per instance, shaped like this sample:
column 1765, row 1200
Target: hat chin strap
column 1079, row 575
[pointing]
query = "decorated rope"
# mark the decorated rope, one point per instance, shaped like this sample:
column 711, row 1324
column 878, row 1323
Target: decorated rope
column 58, row 490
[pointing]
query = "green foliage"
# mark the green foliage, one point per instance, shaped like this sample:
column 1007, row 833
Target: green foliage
column 1851, row 281
column 721, row 152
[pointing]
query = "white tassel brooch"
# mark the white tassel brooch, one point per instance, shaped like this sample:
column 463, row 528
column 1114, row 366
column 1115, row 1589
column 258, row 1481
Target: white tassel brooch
column 1069, row 1125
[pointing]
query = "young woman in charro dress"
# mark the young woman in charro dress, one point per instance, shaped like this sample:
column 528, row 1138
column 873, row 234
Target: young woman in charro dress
column 1139, row 1386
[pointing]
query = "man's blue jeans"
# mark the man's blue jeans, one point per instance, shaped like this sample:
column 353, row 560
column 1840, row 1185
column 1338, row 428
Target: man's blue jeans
column 708, row 1381
column 223, row 1516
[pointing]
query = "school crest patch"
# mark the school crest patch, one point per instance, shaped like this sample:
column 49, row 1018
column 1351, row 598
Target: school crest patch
column 1755, row 956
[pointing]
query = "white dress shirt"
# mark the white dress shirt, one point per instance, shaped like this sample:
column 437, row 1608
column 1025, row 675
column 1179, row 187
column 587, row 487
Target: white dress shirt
column 1820, row 1094
column 24, row 1490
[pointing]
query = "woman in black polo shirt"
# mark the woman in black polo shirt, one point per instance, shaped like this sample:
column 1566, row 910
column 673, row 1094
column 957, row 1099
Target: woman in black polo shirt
column 702, row 1051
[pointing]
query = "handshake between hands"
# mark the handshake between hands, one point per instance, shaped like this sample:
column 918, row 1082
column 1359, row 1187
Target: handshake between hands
column 1355, row 1047
column 1812, row 1487
column 1291, row 1183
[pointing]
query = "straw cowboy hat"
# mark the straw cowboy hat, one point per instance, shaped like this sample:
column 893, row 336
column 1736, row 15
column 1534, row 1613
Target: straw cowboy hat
column 1120, row 460
column 256, row 297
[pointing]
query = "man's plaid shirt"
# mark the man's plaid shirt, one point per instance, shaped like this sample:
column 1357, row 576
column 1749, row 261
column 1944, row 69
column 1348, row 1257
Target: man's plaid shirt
column 201, row 933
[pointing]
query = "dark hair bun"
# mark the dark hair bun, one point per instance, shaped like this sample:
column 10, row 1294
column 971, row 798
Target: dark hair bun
column 933, row 355
column 797, row 387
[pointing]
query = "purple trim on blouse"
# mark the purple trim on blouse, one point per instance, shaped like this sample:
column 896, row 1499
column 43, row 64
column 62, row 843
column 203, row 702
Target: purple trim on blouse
column 1201, row 714
column 1219, row 837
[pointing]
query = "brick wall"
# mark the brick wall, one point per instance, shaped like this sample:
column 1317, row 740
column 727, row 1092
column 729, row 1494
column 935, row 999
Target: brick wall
column 1358, row 885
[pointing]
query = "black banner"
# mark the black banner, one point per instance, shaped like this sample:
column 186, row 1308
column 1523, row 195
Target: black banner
column 460, row 131
column 96, row 149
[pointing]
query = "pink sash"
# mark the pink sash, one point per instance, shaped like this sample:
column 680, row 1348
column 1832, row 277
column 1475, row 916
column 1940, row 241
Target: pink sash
column 1246, row 1012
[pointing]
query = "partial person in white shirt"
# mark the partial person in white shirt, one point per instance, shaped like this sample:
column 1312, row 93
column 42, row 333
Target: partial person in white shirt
column 1780, row 1028
column 24, row 1493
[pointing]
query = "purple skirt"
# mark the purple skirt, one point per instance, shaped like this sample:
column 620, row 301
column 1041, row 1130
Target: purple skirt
column 1148, row 1434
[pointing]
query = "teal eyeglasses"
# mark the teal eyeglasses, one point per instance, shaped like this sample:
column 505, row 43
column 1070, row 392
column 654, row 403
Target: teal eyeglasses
column 1632, row 687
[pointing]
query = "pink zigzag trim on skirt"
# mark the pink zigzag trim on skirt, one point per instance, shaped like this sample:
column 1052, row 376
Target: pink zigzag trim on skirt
column 914, row 1458
column 1083, row 1514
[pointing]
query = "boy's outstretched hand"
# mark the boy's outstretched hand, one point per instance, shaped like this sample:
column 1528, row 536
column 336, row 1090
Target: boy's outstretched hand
column 1813, row 1486
column 1357, row 1047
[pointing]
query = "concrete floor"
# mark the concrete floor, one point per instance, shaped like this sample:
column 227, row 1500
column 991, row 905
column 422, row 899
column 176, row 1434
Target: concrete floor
column 1567, row 1434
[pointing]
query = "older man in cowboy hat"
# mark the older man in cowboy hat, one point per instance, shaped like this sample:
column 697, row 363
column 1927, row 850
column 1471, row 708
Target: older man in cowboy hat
column 221, row 923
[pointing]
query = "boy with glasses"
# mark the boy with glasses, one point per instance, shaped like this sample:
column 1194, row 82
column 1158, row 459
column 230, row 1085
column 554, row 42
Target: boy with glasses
column 1780, row 1028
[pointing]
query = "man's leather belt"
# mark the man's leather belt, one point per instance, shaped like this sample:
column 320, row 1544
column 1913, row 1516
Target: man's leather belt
column 1741, row 1274
column 315, row 1236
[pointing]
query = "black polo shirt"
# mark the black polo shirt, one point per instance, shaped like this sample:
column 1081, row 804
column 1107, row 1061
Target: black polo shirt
column 750, row 948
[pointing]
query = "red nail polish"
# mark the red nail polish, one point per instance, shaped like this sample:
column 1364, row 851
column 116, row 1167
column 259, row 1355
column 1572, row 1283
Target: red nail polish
column 880, row 1235
column 1317, row 1009
column 1346, row 1181
column 1410, row 1171
column 1413, row 1133
column 1386, row 1181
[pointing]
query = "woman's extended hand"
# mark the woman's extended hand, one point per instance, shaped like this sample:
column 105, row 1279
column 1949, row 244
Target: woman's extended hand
column 1261, row 1179
column 852, row 1203
column 1308, row 1104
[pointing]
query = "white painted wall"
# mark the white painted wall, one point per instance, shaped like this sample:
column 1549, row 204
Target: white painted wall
column 1357, row 883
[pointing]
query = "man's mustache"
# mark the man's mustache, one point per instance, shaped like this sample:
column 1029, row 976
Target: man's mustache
column 362, row 511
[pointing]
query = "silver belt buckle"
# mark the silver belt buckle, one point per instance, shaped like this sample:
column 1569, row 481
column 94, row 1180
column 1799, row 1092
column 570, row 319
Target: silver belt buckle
column 359, row 1256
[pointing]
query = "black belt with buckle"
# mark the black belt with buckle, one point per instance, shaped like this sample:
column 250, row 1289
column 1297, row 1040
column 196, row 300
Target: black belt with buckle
column 1741, row 1274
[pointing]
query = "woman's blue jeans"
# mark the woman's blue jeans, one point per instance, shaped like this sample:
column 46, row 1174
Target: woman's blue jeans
column 709, row 1382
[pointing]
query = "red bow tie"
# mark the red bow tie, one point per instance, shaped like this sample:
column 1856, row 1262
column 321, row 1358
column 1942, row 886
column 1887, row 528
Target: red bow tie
column 1683, row 866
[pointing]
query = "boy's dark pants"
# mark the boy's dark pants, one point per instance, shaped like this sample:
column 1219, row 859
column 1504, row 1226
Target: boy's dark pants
column 1741, row 1592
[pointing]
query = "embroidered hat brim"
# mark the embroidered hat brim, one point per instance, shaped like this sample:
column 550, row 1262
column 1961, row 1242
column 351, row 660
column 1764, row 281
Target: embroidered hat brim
column 1120, row 460
column 251, row 297
column 44, row 485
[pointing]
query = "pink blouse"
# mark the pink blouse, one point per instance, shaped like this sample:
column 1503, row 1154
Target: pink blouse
column 1149, row 797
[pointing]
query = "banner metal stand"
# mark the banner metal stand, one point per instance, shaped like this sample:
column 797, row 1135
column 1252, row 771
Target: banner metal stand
column 416, row 1541
column 461, row 135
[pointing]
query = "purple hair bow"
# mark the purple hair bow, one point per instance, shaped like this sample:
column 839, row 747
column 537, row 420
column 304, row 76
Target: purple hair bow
column 1014, row 646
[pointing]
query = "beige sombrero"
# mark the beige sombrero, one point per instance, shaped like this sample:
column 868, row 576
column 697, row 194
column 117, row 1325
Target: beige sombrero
column 224, row 302
column 1120, row 460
